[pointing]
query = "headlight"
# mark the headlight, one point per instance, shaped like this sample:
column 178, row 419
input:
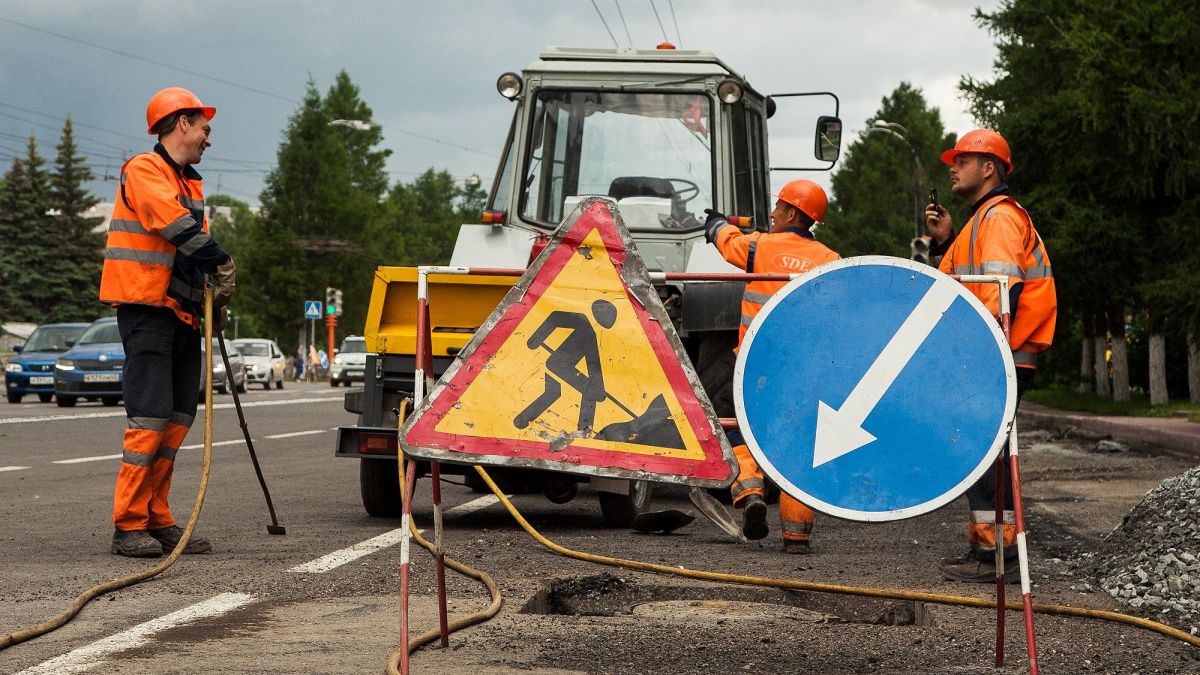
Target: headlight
column 218, row 367
column 64, row 364
column 337, row 361
column 509, row 85
column 13, row 368
column 729, row 91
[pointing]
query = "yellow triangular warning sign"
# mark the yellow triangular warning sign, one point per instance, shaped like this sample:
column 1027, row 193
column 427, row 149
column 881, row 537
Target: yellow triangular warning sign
column 579, row 370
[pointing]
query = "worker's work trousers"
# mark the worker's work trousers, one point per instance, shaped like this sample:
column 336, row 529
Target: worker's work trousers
column 797, row 519
column 981, row 525
column 161, row 390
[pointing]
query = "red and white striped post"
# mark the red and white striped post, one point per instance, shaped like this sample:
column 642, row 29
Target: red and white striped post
column 406, row 494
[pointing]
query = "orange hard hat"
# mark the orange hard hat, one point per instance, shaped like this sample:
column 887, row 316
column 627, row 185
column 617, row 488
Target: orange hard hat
column 807, row 196
column 174, row 99
column 983, row 141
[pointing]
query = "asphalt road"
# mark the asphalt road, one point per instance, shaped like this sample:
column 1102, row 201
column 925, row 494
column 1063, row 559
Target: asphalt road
column 304, row 603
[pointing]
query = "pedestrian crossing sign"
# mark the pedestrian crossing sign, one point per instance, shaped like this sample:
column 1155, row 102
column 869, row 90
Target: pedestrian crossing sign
column 578, row 370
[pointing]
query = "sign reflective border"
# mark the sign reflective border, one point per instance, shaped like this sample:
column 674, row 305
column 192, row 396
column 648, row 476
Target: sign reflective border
column 874, row 388
column 579, row 370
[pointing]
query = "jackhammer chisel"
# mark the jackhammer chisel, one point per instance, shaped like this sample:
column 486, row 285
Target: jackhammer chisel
column 274, row 527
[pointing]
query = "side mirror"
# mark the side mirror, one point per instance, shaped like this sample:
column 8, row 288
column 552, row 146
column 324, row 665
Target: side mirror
column 18, row 348
column 829, row 139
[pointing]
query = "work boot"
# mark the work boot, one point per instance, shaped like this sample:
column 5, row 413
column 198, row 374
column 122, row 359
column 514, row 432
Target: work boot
column 170, row 536
column 664, row 522
column 754, row 518
column 975, row 571
column 959, row 559
column 135, row 544
column 796, row 546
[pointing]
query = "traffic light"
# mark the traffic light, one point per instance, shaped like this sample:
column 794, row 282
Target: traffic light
column 337, row 301
column 331, row 297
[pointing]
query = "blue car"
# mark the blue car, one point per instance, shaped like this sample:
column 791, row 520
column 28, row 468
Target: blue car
column 93, row 368
column 31, row 371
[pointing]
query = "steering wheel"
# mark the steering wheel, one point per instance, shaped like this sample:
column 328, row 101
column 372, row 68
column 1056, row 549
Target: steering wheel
column 686, row 193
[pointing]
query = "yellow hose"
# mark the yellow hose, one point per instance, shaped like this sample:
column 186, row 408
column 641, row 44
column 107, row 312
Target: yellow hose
column 87, row 596
column 791, row 584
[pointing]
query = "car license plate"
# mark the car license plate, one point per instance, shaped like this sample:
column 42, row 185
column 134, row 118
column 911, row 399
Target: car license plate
column 101, row 377
column 41, row 380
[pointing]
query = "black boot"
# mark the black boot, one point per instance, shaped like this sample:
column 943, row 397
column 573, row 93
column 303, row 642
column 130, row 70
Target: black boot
column 135, row 544
column 754, row 518
column 170, row 536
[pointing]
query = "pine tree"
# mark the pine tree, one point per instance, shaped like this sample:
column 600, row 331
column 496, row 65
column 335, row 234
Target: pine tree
column 29, row 239
column 77, row 248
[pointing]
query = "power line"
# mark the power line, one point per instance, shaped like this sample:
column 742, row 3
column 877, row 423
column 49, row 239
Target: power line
column 660, row 23
column 678, row 35
column 610, row 33
column 622, row 14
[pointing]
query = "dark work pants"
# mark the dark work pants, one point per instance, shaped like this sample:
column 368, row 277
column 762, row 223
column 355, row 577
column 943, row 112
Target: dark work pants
column 161, row 391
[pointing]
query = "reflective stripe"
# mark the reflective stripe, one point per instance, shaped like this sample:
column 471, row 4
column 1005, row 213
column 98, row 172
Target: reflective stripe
column 796, row 528
column 182, row 419
column 750, row 256
column 166, row 453
column 1025, row 358
column 1005, row 268
column 968, row 269
column 136, row 458
column 178, row 227
column 136, row 255
column 747, row 319
column 122, row 225
column 1039, row 271
column 1038, row 257
column 149, row 423
column 189, row 203
column 741, row 486
column 989, row 517
column 754, row 296
column 180, row 287
column 192, row 245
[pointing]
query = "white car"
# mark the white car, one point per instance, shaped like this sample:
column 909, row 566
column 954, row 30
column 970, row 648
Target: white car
column 265, row 362
column 349, row 362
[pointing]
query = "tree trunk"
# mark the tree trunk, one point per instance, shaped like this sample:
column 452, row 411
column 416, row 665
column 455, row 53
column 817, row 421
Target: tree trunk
column 1120, row 356
column 1158, row 370
column 1086, row 386
column 1100, row 355
column 1193, row 363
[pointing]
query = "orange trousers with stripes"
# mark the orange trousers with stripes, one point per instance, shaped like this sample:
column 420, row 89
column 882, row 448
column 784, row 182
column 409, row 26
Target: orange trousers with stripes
column 796, row 518
column 160, row 385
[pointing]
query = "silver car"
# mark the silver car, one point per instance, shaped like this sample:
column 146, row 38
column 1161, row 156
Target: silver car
column 349, row 362
column 265, row 362
column 221, row 379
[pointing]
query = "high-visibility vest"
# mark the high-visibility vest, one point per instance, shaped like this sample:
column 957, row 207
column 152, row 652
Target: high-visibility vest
column 154, row 203
column 1000, row 239
column 787, row 252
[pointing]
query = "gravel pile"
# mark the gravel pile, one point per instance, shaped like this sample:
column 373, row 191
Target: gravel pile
column 1151, row 561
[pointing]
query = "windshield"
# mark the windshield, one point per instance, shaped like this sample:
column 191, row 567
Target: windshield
column 100, row 333
column 353, row 347
column 53, row 339
column 652, row 152
column 252, row 349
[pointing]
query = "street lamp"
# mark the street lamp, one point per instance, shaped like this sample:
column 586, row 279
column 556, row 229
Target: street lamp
column 894, row 129
column 357, row 125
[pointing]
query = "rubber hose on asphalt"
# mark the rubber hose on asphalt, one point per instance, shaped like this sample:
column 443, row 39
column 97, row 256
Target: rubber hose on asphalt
column 791, row 584
column 92, row 593
column 393, row 664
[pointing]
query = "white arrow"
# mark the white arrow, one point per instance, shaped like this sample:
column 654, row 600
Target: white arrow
column 840, row 431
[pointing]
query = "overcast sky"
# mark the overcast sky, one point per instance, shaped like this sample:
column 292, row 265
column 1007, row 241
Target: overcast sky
column 429, row 68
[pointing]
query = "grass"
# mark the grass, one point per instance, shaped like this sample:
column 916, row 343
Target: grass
column 1137, row 406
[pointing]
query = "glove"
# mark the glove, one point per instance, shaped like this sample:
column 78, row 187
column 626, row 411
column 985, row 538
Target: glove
column 226, row 282
column 713, row 223
column 220, row 319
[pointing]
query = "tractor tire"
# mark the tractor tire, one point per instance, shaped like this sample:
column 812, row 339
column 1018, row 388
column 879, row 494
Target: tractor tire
column 715, row 369
column 619, row 510
column 379, row 482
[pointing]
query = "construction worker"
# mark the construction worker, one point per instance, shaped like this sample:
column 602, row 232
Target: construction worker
column 999, row 238
column 788, row 248
column 155, row 261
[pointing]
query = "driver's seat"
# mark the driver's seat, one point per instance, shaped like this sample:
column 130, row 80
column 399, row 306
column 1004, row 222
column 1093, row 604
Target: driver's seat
column 640, row 186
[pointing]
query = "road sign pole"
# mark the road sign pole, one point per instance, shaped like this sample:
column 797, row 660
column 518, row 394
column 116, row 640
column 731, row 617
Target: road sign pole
column 999, row 560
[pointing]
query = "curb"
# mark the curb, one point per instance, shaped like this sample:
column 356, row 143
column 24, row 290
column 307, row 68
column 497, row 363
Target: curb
column 1174, row 435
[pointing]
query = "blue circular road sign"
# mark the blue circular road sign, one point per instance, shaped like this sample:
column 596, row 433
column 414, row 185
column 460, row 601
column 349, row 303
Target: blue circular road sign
column 874, row 388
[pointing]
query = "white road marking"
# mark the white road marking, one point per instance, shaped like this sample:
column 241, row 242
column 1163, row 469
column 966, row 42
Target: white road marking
column 80, row 460
column 87, row 657
column 391, row 538
column 296, row 433
column 197, row 446
column 12, row 468
column 121, row 413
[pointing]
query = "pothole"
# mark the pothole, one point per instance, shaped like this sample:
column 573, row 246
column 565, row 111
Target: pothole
column 609, row 595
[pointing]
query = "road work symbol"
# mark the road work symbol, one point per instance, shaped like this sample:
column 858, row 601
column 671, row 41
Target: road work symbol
column 577, row 370
column 881, row 423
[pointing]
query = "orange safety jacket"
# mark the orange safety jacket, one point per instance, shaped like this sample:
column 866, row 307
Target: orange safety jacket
column 158, row 248
column 792, row 251
column 1000, row 239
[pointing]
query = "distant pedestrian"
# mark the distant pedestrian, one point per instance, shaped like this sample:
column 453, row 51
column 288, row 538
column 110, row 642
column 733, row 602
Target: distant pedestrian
column 998, row 239
column 298, row 364
column 156, row 258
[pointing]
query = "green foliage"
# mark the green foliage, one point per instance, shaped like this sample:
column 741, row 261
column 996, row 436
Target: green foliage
column 1065, row 398
column 75, row 247
column 879, row 189
column 30, row 264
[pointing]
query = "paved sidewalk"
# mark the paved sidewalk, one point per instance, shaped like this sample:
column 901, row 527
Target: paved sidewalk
column 1178, row 435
